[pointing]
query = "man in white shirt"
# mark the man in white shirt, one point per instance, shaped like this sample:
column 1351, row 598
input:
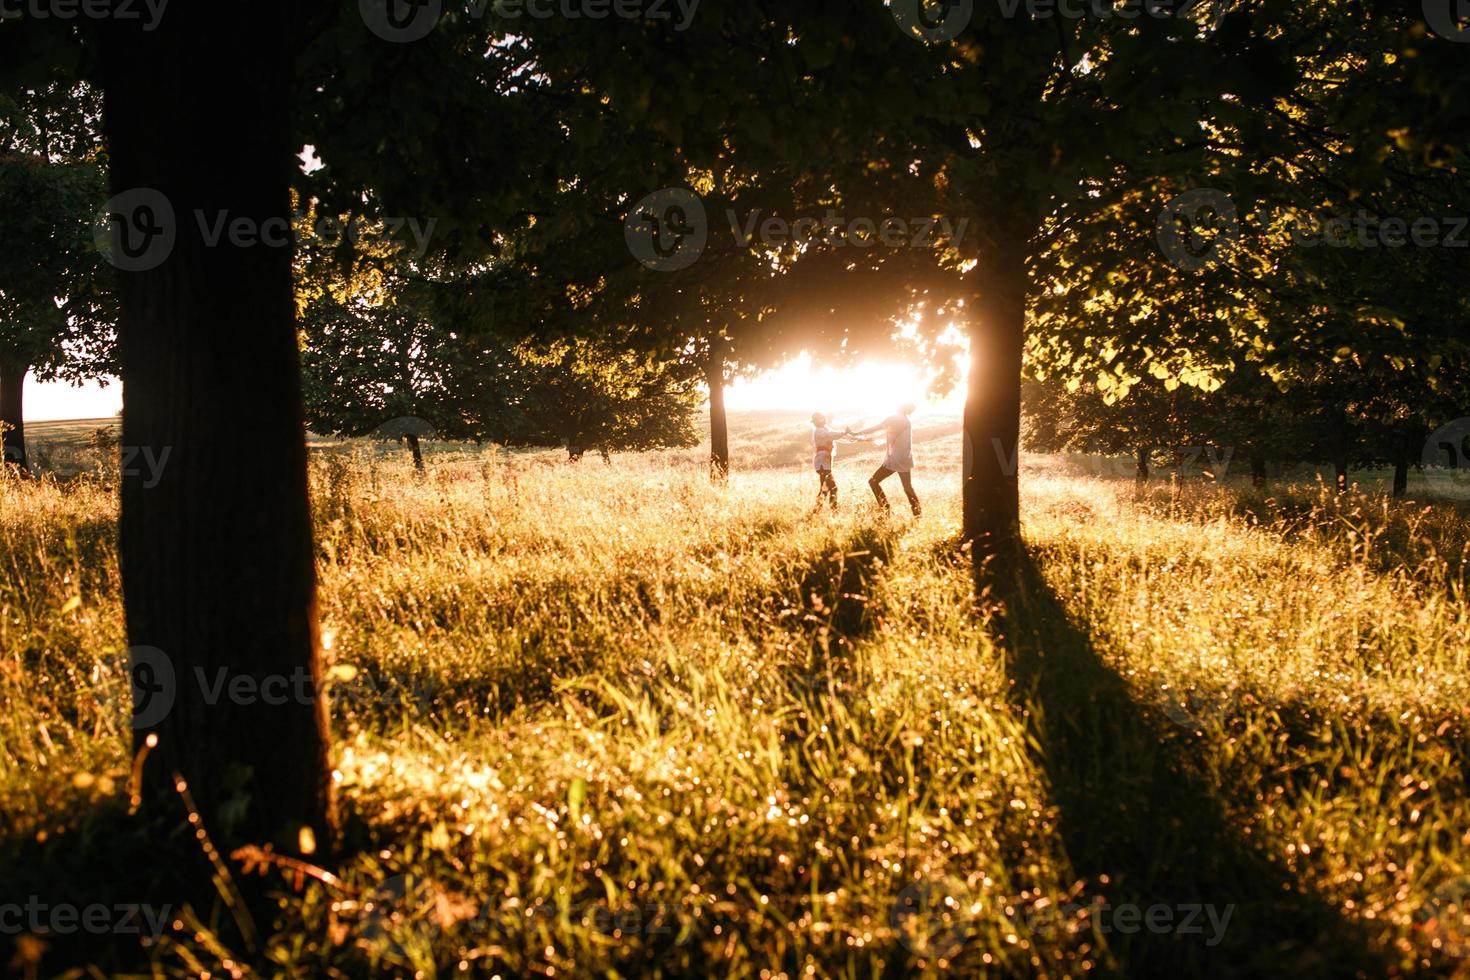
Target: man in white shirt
column 824, row 449
column 899, row 433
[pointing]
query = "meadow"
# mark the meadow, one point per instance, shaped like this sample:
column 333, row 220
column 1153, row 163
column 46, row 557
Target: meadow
column 614, row 720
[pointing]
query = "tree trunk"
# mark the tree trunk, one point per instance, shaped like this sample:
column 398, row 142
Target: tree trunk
column 993, row 404
column 1143, row 457
column 1258, row 470
column 12, row 418
column 416, row 452
column 219, row 584
column 719, row 433
column 1340, row 467
column 1400, row 473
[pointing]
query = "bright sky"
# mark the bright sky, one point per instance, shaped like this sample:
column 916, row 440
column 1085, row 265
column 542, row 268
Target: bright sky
column 58, row 400
column 870, row 387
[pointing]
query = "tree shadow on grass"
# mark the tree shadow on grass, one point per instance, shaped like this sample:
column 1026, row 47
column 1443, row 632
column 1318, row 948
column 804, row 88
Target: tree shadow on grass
column 836, row 595
column 91, row 895
column 1142, row 826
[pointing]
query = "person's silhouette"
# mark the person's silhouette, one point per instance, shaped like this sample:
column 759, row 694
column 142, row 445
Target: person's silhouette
column 899, row 433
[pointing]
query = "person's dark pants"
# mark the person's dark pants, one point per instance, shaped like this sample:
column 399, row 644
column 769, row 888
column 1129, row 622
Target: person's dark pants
column 906, row 479
column 828, row 488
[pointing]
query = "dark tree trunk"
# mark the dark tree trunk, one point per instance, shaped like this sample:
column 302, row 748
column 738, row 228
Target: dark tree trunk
column 1400, row 474
column 993, row 404
column 416, row 452
column 1340, row 467
column 216, row 558
column 719, row 432
column 12, row 394
column 1143, row 457
column 1258, row 470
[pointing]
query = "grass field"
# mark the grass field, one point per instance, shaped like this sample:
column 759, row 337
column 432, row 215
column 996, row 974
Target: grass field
column 612, row 720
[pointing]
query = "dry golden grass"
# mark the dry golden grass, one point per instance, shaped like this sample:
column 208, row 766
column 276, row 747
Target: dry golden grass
column 614, row 720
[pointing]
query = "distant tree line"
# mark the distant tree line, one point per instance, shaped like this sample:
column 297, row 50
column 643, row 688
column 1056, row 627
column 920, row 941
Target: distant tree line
column 1339, row 416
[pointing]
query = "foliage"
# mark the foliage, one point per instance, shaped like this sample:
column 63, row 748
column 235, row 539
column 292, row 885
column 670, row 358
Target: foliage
column 595, row 395
column 56, row 312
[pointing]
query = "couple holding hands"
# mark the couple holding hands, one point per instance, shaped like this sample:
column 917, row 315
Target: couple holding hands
column 898, row 433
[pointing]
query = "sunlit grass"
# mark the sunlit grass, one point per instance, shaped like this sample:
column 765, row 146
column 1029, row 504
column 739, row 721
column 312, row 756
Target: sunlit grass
column 600, row 719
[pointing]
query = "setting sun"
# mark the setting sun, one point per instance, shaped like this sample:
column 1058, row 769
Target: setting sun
column 866, row 388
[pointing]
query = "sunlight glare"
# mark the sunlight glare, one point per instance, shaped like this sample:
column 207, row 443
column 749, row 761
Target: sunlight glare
column 869, row 387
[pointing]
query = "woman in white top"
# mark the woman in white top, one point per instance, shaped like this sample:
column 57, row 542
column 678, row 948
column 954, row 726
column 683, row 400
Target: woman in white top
column 824, row 449
column 899, row 459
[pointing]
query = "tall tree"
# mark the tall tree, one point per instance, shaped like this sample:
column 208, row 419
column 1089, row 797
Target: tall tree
column 217, row 558
column 55, row 309
column 594, row 395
